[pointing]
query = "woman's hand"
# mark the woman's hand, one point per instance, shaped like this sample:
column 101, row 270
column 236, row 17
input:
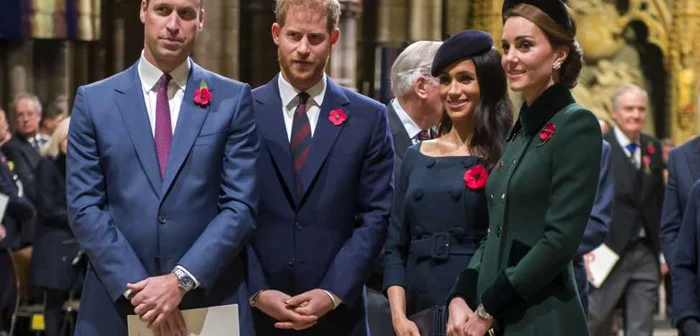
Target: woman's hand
column 405, row 327
column 477, row 326
column 460, row 313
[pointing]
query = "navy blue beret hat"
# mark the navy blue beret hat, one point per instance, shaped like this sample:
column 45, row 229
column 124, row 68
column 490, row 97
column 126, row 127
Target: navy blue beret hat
column 463, row 45
column 555, row 9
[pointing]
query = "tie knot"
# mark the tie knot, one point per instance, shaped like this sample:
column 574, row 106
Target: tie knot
column 423, row 135
column 165, row 80
column 303, row 97
column 632, row 147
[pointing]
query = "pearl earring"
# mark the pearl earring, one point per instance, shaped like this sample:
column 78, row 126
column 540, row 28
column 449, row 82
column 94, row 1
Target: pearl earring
column 556, row 65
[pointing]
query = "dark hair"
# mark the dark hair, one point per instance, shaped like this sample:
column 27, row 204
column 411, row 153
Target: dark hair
column 557, row 36
column 493, row 112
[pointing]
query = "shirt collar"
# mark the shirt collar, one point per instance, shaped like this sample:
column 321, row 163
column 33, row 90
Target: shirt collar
column 150, row 74
column 622, row 139
column 288, row 93
column 411, row 128
column 551, row 101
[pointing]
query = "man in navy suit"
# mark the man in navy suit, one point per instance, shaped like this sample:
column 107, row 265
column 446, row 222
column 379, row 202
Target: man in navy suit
column 685, row 268
column 325, row 168
column 161, row 183
column 683, row 171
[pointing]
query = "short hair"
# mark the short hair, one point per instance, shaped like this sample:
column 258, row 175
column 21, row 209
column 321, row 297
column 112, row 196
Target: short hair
column 331, row 7
column 201, row 3
column 624, row 89
column 415, row 61
column 53, row 147
column 29, row 96
column 54, row 110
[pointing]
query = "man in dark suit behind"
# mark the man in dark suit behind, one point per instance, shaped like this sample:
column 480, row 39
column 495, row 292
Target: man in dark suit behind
column 23, row 150
column 634, row 231
column 683, row 171
column 326, row 172
column 412, row 115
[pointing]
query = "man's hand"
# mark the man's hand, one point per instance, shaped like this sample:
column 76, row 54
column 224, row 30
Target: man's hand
column 459, row 313
column 315, row 302
column 477, row 326
column 3, row 232
column 274, row 304
column 172, row 325
column 156, row 297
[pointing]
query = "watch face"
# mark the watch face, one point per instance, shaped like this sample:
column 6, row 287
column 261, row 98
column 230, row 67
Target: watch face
column 186, row 282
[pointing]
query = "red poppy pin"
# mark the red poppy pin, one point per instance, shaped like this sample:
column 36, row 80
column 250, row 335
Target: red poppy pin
column 202, row 96
column 547, row 133
column 647, row 163
column 651, row 149
column 337, row 117
column 475, row 178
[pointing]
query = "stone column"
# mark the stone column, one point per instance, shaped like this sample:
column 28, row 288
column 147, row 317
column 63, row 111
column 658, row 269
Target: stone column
column 457, row 16
column 207, row 51
column 425, row 20
column 344, row 56
column 684, row 61
column 393, row 22
column 258, row 54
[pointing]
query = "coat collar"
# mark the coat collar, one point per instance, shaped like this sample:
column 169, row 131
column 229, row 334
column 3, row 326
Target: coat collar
column 551, row 101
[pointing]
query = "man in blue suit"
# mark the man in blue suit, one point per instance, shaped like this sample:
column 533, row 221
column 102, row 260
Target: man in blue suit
column 598, row 222
column 685, row 268
column 683, row 171
column 326, row 168
column 161, row 182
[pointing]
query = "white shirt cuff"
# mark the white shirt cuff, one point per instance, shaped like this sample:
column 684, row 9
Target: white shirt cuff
column 127, row 294
column 196, row 282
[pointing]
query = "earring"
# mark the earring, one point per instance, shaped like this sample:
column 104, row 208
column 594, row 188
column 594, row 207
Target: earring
column 556, row 65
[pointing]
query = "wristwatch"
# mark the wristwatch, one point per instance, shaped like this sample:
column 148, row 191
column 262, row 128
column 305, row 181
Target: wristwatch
column 482, row 314
column 184, row 280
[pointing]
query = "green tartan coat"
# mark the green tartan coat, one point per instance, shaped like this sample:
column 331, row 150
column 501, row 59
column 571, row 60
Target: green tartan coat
column 540, row 195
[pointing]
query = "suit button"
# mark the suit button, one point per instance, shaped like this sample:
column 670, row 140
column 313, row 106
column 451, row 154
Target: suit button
column 499, row 231
column 503, row 196
column 291, row 263
column 162, row 219
column 298, row 226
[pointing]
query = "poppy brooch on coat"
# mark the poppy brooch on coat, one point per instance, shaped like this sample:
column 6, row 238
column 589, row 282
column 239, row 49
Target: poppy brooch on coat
column 651, row 149
column 337, row 117
column 475, row 177
column 547, row 133
column 202, row 96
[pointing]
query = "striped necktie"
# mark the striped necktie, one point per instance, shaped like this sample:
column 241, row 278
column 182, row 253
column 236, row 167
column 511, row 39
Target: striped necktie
column 300, row 139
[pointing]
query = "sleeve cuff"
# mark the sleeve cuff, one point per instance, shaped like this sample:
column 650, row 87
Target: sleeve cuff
column 465, row 287
column 499, row 296
column 334, row 298
column 196, row 282
column 127, row 294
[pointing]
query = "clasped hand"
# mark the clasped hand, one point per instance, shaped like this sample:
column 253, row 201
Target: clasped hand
column 299, row 312
column 463, row 321
column 156, row 301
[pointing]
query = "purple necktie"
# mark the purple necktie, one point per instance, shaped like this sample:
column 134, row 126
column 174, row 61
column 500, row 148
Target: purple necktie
column 300, row 139
column 164, row 131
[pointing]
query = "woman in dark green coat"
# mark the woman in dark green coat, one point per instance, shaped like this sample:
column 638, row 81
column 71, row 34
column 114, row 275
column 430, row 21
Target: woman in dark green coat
column 540, row 194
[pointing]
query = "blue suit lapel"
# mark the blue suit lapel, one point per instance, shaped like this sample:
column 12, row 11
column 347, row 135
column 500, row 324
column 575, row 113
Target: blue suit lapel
column 274, row 131
column 694, row 162
column 325, row 133
column 132, row 108
column 189, row 123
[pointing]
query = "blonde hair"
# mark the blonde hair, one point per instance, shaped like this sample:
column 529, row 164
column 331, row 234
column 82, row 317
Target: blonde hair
column 52, row 148
column 331, row 7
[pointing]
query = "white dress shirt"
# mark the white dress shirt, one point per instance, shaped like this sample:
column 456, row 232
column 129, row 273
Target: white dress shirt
column 150, row 76
column 408, row 124
column 624, row 141
column 290, row 101
column 150, row 83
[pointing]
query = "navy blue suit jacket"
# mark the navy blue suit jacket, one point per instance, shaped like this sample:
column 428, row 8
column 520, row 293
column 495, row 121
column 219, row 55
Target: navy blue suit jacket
column 685, row 268
column 329, row 236
column 683, row 171
column 601, row 214
column 135, row 224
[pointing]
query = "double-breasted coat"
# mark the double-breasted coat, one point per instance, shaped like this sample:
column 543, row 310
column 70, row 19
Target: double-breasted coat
column 539, row 196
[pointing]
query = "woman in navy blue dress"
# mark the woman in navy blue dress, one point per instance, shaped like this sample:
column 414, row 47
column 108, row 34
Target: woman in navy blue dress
column 439, row 214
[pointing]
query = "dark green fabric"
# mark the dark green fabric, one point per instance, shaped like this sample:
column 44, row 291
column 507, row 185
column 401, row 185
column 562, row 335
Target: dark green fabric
column 540, row 196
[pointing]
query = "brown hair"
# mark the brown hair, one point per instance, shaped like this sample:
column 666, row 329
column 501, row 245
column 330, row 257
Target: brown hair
column 331, row 7
column 557, row 36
